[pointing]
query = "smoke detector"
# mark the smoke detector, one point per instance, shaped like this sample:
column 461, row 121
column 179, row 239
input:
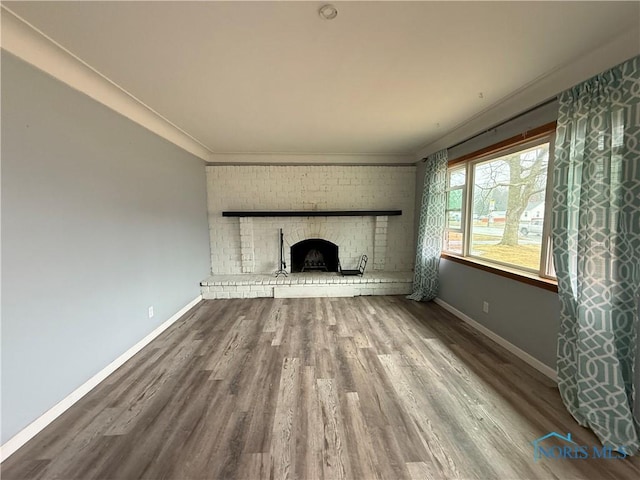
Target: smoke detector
column 328, row 12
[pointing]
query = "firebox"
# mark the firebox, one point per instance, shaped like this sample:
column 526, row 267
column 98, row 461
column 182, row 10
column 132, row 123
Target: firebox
column 314, row 254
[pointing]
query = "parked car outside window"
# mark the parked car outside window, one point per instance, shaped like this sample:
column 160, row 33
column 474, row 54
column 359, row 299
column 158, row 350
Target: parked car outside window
column 533, row 227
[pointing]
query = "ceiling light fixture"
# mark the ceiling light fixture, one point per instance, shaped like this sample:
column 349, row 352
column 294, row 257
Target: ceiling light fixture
column 328, row 12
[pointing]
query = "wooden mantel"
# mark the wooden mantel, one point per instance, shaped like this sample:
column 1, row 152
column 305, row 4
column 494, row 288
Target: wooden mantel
column 313, row 213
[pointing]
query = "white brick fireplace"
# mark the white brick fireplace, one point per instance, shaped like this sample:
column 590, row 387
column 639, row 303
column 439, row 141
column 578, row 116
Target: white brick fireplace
column 250, row 245
column 354, row 235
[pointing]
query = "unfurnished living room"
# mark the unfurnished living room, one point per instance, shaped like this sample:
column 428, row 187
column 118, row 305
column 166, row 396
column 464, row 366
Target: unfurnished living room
column 320, row 240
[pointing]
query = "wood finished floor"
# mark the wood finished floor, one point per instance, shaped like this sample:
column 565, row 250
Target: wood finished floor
column 362, row 388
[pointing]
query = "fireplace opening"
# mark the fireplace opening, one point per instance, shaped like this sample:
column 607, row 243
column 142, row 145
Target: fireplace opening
column 314, row 254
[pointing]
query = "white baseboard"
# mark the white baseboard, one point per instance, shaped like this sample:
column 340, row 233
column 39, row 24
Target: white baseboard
column 54, row 412
column 521, row 354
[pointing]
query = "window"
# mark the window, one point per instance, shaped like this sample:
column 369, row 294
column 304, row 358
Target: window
column 454, row 211
column 497, row 205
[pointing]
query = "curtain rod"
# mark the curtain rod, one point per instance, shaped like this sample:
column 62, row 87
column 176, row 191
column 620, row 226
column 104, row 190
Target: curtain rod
column 504, row 122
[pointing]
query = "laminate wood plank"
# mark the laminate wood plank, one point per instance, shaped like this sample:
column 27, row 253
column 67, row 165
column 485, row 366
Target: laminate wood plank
column 253, row 378
column 83, row 442
column 363, row 457
column 291, row 345
column 154, row 436
column 122, row 390
column 262, row 401
column 255, row 466
column 201, row 448
column 359, row 388
column 374, row 406
column 468, row 404
column 272, row 319
column 226, row 462
column 188, row 408
column 324, row 338
column 389, row 329
column 89, row 421
column 391, row 428
column 32, row 469
column 343, row 348
column 309, row 442
column 534, row 418
column 441, row 450
column 309, row 341
column 283, row 449
column 328, row 313
column 357, row 325
column 217, row 358
column 335, row 461
column 471, row 437
column 280, row 325
column 342, row 317
column 421, row 471
column 139, row 398
column 105, row 452
column 90, row 417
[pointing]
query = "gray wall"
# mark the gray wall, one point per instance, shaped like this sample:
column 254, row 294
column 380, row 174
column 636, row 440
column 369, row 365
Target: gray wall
column 525, row 315
column 100, row 220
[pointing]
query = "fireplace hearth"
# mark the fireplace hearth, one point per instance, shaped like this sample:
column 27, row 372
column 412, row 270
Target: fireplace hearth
column 314, row 254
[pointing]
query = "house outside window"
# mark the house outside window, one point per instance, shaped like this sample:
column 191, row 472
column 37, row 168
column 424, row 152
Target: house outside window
column 497, row 210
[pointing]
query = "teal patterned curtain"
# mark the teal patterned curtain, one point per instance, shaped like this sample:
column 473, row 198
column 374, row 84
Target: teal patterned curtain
column 431, row 228
column 596, row 246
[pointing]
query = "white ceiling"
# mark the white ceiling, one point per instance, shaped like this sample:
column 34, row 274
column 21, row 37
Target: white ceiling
column 273, row 77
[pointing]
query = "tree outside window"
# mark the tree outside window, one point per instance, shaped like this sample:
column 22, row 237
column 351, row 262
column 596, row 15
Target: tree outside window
column 503, row 220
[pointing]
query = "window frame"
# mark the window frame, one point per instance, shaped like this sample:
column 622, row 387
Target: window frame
column 463, row 206
column 541, row 277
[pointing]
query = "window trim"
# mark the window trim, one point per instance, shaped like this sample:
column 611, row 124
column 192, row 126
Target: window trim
column 541, row 277
column 463, row 208
column 513, row 274
column 528, row 136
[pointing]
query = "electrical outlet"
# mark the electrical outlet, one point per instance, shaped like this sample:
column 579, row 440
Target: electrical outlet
column 485, row 307
column 151, row 311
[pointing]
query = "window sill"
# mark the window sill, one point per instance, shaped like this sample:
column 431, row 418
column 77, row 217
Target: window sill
column 518, row 275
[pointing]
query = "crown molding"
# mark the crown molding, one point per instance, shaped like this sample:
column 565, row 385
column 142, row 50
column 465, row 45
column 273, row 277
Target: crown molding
column 546, row 86
column 310, row 159
column 26, row 42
